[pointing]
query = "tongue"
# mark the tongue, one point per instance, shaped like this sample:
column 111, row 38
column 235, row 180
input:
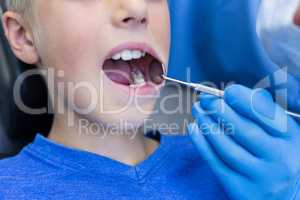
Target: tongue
column 297, row 17
column 118, row 71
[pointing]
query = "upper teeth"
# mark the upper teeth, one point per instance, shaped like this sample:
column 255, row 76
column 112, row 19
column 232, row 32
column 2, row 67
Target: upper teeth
column 128, row 55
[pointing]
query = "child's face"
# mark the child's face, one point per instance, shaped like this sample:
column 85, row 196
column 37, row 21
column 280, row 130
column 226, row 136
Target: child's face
column 81, row 36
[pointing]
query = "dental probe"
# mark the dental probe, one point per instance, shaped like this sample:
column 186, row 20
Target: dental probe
column 213, row 91
column 198, row 87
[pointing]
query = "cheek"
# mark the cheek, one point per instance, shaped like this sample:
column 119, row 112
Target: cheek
column 70, row 48
column 66, row 43
column 59, row 50
column 160, row 25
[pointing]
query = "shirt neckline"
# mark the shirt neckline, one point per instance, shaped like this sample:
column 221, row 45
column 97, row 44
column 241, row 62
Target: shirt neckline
column 90, row 163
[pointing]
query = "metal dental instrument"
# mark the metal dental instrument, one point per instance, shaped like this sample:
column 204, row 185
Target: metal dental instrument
column 198, row 87
column 213, row 91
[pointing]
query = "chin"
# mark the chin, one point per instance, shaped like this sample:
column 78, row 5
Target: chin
column 121, row 122
column 132, row 119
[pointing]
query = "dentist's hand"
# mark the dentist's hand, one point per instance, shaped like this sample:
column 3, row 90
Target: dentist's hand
column 250, row 143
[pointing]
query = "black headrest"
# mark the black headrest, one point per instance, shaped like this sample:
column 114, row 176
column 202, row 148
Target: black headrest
column 16, row 127
column 3, row 5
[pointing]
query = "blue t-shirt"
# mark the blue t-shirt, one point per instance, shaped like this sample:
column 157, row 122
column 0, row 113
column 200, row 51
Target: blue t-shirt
column 46, row 170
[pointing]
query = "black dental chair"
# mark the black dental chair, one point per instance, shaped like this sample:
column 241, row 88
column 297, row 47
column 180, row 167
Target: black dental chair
column 17, row 128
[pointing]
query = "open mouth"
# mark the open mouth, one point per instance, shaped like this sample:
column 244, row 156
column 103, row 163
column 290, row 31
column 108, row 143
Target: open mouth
column 134, row 68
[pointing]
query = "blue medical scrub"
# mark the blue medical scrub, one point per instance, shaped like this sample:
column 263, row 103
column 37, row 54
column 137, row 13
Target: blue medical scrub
column 216, row 40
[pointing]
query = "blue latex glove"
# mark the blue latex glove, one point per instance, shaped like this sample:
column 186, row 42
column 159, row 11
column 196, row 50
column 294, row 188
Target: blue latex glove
column 216, row 41
column 185, row 32
column 250, row 143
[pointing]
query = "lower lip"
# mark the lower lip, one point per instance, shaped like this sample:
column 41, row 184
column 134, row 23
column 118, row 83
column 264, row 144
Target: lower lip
column 147, row 89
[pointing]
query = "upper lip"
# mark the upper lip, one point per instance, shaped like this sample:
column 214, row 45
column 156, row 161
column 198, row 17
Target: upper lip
column 134, row 46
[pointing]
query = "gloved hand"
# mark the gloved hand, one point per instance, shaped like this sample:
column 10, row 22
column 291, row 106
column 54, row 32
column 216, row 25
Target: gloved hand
column 250, row 144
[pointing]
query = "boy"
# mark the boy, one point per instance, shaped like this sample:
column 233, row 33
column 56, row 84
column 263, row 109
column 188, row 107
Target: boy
column 108, row 56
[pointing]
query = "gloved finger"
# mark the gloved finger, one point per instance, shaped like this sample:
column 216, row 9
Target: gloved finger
column 228, row 150
column 229, row 178
column 241, row 129
column 222, row 171
column 258, row 105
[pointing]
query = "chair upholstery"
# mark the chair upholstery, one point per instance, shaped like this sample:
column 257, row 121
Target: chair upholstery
column 16, row 127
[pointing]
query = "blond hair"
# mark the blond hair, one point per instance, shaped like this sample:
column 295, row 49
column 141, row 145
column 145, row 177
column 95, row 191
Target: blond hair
column 23, row 7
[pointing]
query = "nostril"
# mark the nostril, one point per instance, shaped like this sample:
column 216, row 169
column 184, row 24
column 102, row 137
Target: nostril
column 127, row 19
column 144, row 21
column 132, row 19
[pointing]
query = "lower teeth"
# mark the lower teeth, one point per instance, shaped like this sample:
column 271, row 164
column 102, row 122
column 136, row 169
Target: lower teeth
column 137, row 77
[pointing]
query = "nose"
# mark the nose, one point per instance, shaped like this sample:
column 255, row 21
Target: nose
column 131, row 14
column 297, row 17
